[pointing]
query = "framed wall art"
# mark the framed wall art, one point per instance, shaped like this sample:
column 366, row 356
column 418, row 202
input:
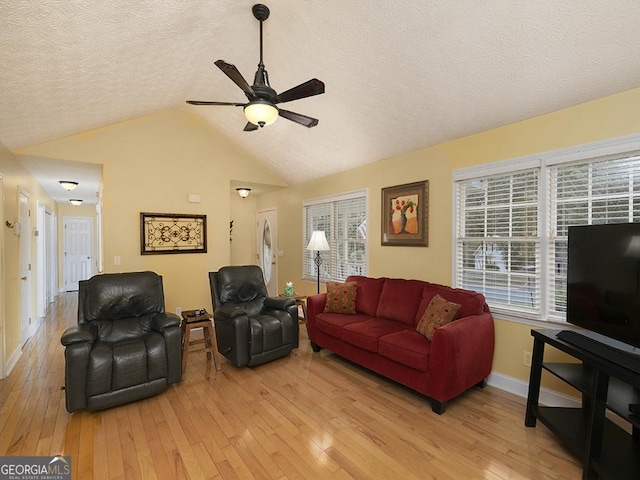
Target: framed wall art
column 404, row 214
column 172, row 233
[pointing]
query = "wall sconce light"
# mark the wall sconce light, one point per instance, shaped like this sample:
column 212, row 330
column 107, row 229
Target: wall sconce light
column 68, row 185
column 243, row 191
column 76, row 201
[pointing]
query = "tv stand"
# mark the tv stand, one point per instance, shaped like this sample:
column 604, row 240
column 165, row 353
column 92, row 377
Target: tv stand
column 606, row 449
column 618, row 352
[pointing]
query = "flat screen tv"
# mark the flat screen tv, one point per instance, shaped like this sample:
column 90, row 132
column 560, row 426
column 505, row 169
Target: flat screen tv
column 603, row 280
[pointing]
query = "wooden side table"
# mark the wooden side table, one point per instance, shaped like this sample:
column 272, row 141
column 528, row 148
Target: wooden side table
column 301, row 300
column 190, row 322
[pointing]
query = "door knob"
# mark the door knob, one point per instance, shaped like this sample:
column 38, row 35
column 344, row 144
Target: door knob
column 23, row 278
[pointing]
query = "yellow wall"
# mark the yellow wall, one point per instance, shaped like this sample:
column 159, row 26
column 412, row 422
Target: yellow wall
column 16, row 176
column 605, row 118
column 152, row 164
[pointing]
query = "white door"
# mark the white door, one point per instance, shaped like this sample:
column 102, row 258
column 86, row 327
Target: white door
column 267, row 236
column 24, row 229
column 41, row 255
column 78, row 251
column 52, row 257
column 2, row 233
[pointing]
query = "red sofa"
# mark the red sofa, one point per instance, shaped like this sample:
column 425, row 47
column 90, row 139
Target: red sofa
column 382, row 336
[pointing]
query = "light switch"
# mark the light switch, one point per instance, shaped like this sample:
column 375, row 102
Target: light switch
column 116, row 260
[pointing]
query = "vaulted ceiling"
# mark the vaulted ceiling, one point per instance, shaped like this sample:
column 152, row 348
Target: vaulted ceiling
column 400, row 75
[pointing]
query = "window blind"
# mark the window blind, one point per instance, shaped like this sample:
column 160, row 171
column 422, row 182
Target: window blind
column 497, row 245
column 343, row 219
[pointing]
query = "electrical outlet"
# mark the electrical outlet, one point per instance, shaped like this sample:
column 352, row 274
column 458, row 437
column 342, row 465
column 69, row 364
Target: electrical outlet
column 526, row 359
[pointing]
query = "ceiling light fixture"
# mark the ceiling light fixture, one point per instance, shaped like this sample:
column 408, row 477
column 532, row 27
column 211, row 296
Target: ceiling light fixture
column 261, row 112
column 68, row 185
column 76, row 201
column 243, row 191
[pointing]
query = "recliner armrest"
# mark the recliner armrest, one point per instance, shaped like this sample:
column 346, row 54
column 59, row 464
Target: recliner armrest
column 279, row 303
column 83, row 332
column 230, row 310
column 163, row 320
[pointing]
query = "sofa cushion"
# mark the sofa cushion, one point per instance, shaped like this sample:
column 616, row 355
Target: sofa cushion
column 471, row 303
column 407, row 347
column 438, row 313
column 332, row 323
column 366, row 334
column 368, row 293
column 341, row 297
column 399, row 300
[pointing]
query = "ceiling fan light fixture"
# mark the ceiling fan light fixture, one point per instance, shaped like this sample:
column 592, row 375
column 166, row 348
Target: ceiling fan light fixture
column 76, row 201
column 68, row 185
column 261, row 113
column 243, row 191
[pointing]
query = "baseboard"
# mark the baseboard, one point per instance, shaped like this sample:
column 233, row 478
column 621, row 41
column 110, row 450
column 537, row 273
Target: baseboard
column 11, row 362
column 521, row 388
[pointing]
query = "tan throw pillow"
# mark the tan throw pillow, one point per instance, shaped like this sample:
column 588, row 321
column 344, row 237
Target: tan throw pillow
column 341, row 297
column 438, row 313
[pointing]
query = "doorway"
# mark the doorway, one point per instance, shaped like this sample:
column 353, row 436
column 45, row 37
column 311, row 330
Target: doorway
column 2, row 302
column 46, row 248
column 267, row 236
column 23, row 230
column 78, row 251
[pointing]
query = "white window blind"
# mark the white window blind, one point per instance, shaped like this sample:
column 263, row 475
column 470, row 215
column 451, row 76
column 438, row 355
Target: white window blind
column 497, row 241
column 343, row 218
column 512, row 218
column 598, row 191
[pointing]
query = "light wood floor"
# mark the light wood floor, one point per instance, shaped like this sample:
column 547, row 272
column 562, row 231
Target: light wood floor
column 306, row 416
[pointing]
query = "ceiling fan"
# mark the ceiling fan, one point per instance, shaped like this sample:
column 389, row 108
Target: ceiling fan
column 261, row 108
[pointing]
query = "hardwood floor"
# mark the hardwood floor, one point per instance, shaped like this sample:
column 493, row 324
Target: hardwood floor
column 306, row 416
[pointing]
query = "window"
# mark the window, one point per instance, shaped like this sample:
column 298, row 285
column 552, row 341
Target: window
column 343, row 218
column 512, row 218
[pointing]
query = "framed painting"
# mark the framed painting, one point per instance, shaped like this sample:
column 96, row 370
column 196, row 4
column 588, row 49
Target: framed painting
column 404, row 214
column 172, row 233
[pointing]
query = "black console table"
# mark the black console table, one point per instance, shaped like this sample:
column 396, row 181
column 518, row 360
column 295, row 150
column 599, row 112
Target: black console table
column 605, row 449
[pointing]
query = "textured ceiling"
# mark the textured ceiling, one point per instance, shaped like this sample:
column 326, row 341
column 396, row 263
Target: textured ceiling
column 400, row 75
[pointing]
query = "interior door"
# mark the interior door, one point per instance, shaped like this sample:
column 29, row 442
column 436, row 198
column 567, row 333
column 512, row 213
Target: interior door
column 267, row 236
column 78, row 251
column 24, row 229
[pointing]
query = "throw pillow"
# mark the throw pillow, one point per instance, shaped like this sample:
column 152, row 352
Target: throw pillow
column 438, row 313
column 341, row 297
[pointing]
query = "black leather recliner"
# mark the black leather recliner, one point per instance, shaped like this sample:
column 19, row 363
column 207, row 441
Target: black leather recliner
column 125, row 347
column 251, row 327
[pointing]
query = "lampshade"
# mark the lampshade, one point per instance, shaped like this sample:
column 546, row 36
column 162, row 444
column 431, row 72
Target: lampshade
column 68, row 184
column 243, row 191
column 261, row 113
column 318, row 241
column 76, row 201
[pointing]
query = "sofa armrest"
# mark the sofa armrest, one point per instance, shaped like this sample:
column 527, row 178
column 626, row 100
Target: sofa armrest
column 461, row 355
column 315, row 306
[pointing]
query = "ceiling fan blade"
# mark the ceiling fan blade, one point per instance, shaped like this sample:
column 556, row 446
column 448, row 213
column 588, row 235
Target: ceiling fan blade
column 299, row 118
column 306, row 89
column 250, row 127
column 232, row 72
column 198, row 102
